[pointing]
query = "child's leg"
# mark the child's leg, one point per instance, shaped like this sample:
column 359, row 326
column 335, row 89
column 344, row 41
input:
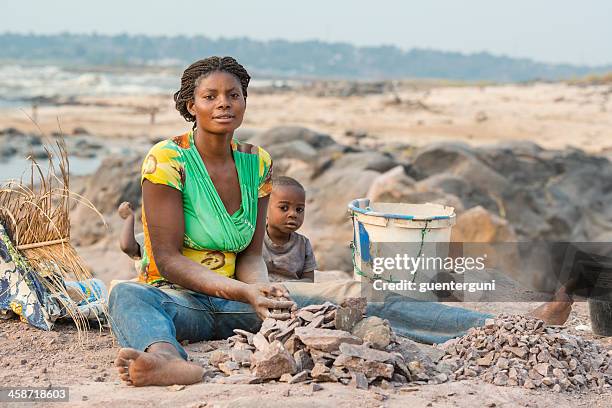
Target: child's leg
column 127, row 242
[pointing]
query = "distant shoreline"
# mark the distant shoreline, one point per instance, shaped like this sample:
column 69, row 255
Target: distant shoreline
column 281, row 58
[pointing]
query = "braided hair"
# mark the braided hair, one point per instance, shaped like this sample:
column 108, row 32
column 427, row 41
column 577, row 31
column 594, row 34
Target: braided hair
column 201, row 69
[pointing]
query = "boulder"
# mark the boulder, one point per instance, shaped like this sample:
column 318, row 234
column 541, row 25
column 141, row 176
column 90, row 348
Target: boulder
column 295, row 168
column 470, row 195
column 395, row 186
column 245, row 134
column 294, row 149
column 389, row 186
column 479, row 225
column 460, row 160
column 283, row 134
column 382, row 163
column 229, row 367
column 116, row 180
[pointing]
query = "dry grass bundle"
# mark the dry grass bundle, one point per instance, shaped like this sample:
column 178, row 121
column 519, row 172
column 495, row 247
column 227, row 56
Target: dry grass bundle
column 36, row 217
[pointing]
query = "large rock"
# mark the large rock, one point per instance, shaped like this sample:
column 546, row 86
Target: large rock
column 116, row 180
column 273, row 362
column 469, row 194
column 284, row 134
column 521, row 162
column 390, row 186
column 395, row 186
column 459, row 160
column 478, row 225
column 540, row 192
column 382, row 163
column 298, row 169
column 325, row 339
column 294, row 149
column 361, row 161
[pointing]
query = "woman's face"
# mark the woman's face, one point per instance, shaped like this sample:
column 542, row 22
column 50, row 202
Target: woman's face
column 218, row 103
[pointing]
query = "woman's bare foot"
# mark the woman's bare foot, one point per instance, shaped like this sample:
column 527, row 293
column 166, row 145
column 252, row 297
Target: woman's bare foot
column 556, row 311
column 141, row 368
column 125, row 210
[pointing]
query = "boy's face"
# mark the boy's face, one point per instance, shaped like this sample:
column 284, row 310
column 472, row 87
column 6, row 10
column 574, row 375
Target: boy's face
column 286, row 208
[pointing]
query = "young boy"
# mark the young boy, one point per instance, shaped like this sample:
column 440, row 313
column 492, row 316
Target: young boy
column 288, row 255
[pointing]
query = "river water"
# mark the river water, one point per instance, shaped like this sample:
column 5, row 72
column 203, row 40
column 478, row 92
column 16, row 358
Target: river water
column 17, row 167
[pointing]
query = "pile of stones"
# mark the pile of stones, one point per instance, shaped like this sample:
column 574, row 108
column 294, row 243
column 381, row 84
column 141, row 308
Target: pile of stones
column 521, row 351
column 326, row 343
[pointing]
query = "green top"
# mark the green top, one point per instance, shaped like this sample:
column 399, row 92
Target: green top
column 212, row 235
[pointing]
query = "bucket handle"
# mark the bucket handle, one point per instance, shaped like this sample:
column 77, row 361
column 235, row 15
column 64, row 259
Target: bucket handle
column 362, row 206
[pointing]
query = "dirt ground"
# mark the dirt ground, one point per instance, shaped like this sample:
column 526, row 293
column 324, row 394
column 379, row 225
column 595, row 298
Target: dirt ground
column 553, row 115
column 31, row 357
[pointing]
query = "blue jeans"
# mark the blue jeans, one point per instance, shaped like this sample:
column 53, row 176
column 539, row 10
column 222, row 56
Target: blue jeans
column 142, row 314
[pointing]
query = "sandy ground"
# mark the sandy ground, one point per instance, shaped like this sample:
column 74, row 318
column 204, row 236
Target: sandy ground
column 31, row 357
column 553, row 115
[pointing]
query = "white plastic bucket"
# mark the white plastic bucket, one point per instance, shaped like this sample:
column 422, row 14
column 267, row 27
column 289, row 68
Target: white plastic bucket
column 376, row 225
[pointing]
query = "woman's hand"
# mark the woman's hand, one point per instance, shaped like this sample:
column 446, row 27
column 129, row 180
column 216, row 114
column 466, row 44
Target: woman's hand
column 261, row 297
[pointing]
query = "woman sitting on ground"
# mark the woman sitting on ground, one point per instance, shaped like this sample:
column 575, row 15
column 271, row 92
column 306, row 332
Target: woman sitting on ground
column 204, row 208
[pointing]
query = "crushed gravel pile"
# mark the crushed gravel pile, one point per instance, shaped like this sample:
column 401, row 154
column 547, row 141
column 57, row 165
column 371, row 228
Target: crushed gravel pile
column 521, row 351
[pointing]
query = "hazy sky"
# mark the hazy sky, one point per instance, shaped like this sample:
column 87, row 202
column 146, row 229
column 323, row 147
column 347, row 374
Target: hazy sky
column 571, row 31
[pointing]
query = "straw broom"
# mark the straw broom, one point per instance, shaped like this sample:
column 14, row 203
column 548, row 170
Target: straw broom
column 36, row 218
